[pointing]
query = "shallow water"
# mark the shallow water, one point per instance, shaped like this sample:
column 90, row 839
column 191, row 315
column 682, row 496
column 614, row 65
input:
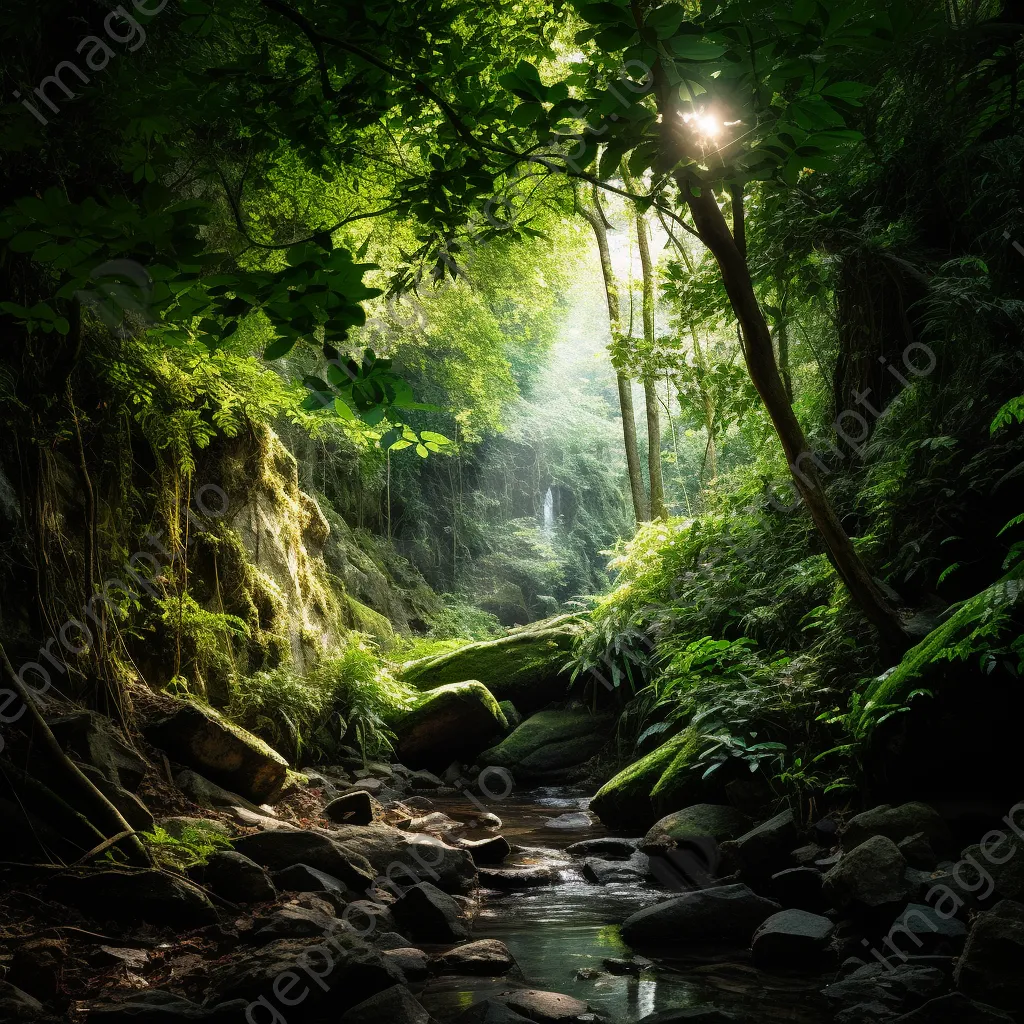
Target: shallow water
column 555, row 931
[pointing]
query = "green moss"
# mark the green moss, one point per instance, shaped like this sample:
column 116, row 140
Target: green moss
column 366, row 620
column 550, row 741
column 625, row 800
column 526, row 667
column 679, row 785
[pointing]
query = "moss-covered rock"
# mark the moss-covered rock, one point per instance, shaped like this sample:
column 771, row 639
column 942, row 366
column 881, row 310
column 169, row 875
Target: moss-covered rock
column 717, row 821
column 659, row 783
column 550, row 742
column 359, row 616
column 526, row 667
column 452, row 722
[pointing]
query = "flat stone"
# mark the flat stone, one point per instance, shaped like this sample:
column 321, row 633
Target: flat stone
column 727, row 913
column 606, row 848
column 792, row 938
column 546, row 1007
column 486, row 852
column 606, row 872
column 518, row 878
column 282, row 849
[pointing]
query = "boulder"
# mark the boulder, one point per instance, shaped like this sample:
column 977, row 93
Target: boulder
column 526, row 667
column 549, row 743
column 728, row 913
column 990, row 967
column 799, row 889
column 131, row 808
column 486, row 851
column 283, row 848
column 303, row 878
column 91, row 739
column 179, row 827
column 336, row 975
column 203, row 740
column 430, row 915
column 870, row 875
column 423, row 780
column 792, row 938
column 410, row 961
column 205, row 793
column 765, row 849
column 605, row 872
column 917, row 852
column 391, row 940
column 546, row 1007
column 511, row 713
column 896, row 823
column 1002, row 862
column 134, row 897
column 395, row 1005
column 487, row 957
column 954, row 1008
column 407, row 858
column 236, row 878
column 18, row 1005
column 293, row 921
column 457, row 719
column 925, row 931
column 607, row 848
column 717, row 821
column 357, row 807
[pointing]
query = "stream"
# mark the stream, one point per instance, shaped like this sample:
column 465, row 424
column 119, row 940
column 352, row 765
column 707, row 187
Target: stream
column 561, row 934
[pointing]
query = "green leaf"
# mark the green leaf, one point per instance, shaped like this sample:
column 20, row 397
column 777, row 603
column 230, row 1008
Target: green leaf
column 695, row 48
column 278, row 348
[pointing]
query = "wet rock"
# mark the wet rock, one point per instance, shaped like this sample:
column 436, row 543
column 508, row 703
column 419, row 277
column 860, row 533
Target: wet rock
column 236, row 878
column 490, row 1011
column 799, row 889
column 435, row 822
column 284, row 848
column 303, row 878
column 395, row 1005
column 990, row 967
column 91, row 739
column 452, row 720
column 917, row 852
column 428, row 914
column 897, row 824
column 691, row 1015
column 921, row 929
column 201, row 739
column 870, row 875
column 391, row 940
column 410, row 961
column 896, row 988
column 518, row 878
column 717, row 821
column 408, row 857
column 354, row 808
column 605, row 872
column 155, row 1006
column 955, row 1008
column 485, row 957
column 550, row 742
column 726, row 913
column 634, row 967
column 764, row 850
column 337, row 974
column 606, row 848
column 792, row 938
column 573, row 820
column 486, row 852
column 545, row 1007
column 134, row 897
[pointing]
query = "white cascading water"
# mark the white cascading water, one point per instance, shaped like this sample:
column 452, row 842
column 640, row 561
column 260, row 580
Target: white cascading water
column 549, row 513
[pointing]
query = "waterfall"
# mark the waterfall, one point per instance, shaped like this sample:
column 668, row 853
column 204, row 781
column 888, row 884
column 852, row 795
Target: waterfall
column 549, row 513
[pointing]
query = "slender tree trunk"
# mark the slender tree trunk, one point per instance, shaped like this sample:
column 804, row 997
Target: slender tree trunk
column 658, row 510
column 759, row 354
column 636, row 481
column 708, row 402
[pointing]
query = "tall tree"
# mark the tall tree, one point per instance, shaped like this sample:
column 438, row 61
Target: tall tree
column 596, row 219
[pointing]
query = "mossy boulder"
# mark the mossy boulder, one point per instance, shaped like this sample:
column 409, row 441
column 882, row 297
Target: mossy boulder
column 716, row 821
column 550, row 742
column 198, row 737
column 359, row 616
column 659, row 783
column 452, row 722
column 526, row 667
